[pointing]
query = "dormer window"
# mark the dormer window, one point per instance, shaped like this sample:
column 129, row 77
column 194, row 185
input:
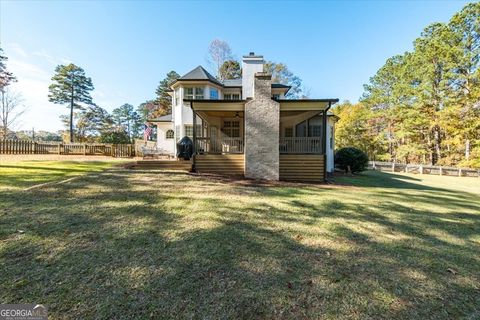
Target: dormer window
column 213, row 94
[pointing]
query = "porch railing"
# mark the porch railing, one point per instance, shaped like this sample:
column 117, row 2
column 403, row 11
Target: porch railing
column 301, row 145
column 220, row 145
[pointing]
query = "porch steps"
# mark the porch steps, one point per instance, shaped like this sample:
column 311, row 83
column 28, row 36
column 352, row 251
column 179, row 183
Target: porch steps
column 180, row 165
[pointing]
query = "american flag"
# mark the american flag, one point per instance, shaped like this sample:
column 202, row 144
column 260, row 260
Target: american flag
column 147, row 131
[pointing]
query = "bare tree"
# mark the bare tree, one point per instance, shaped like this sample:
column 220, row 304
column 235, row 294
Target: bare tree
column 10, row 110
column 219, row 51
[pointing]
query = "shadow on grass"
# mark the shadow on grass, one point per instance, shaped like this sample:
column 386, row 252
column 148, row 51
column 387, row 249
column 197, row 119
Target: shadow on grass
column 139, row 245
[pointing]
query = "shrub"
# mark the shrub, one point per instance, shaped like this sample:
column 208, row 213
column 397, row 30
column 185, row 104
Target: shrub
column 351, row 159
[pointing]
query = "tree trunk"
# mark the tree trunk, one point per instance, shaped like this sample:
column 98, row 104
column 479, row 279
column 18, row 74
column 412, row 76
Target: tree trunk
column 467, row 149
column 436, row 144
column 4, row 117
column 71, row 116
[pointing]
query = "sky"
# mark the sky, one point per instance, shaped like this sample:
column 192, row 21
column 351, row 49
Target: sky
column 127, row 47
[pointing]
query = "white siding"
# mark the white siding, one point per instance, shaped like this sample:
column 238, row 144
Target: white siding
column 164, row 144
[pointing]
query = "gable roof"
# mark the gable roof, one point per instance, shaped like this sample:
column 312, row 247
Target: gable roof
column 165, row 118
column 232, row 83
column 199, row 73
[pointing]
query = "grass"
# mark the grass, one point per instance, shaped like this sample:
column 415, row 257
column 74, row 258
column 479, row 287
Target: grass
column 130, row 245
column 23, row 174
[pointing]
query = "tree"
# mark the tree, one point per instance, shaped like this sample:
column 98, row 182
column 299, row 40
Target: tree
column 6, row 77
column 71, row 86
column 128, row 119
column 425, row 103
column 281, row 74
column 147, row 110
column 219, row 51
column 11, row 110
column 355, row 129
column 230, row 69
column 92, row 122
column 164, row 100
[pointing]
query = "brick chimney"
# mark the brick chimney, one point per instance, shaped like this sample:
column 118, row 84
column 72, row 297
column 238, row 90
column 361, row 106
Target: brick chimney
column 262, row 131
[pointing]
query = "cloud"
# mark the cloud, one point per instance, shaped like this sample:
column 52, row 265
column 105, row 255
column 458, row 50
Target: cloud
column 34, row 72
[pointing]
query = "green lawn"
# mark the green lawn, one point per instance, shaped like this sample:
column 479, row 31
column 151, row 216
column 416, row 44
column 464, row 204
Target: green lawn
column 25, row 174
column 124, row 245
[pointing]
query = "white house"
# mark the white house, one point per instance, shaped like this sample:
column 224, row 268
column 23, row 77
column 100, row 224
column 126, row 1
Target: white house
column 249, row 119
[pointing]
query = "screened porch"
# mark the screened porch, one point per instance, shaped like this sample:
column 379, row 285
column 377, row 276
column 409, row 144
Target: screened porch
column 302, row 132
column 220, row 132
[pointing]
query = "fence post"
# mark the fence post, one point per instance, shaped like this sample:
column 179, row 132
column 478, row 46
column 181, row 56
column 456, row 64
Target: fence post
column 59, row 146
column 441, row 171
column 85, row 149
column 393, row 166
column 421, row 169
column 459, row 172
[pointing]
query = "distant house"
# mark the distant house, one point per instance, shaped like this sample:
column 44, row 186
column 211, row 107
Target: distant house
column 246, row 126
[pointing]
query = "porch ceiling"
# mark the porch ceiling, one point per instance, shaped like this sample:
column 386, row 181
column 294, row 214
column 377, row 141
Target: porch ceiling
column 306, row 104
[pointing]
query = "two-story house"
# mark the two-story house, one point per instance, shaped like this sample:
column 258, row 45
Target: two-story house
column 246, row 126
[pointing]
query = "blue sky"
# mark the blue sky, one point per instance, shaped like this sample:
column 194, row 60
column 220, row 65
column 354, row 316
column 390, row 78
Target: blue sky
column 128, row 47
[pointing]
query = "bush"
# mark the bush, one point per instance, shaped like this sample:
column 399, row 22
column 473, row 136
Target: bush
column 351, row 159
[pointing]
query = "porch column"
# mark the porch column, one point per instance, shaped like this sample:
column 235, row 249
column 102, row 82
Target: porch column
column 262, row 132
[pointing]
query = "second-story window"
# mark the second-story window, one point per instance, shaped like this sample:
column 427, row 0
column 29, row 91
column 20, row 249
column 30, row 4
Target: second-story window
column 194, row 93
column 177, row 97
column 231, row 96
column 199, row 93
column 188, row 93
column 213, row 94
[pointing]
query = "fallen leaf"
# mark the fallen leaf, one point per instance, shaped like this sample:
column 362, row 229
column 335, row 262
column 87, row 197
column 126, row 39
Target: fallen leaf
column 452, row 271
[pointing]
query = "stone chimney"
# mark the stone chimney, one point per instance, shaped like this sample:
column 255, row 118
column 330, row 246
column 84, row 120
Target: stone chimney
column 262, row 88
column 262, row 131
column 251, row 64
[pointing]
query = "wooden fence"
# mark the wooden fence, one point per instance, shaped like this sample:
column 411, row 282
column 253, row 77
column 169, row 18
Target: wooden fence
column 423, row 169
column 33, row 147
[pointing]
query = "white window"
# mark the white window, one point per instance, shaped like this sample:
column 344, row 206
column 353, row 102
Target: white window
column 198, row 93
column 169, row 134
column 213, row 94
column 231, row 96
column 177, row 97
column 194, row 93
column 189, row 130
column 231, row 128
column 189, row 93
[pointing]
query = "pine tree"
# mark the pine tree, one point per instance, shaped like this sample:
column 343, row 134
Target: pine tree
column 71, row 87
column 164, row 100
